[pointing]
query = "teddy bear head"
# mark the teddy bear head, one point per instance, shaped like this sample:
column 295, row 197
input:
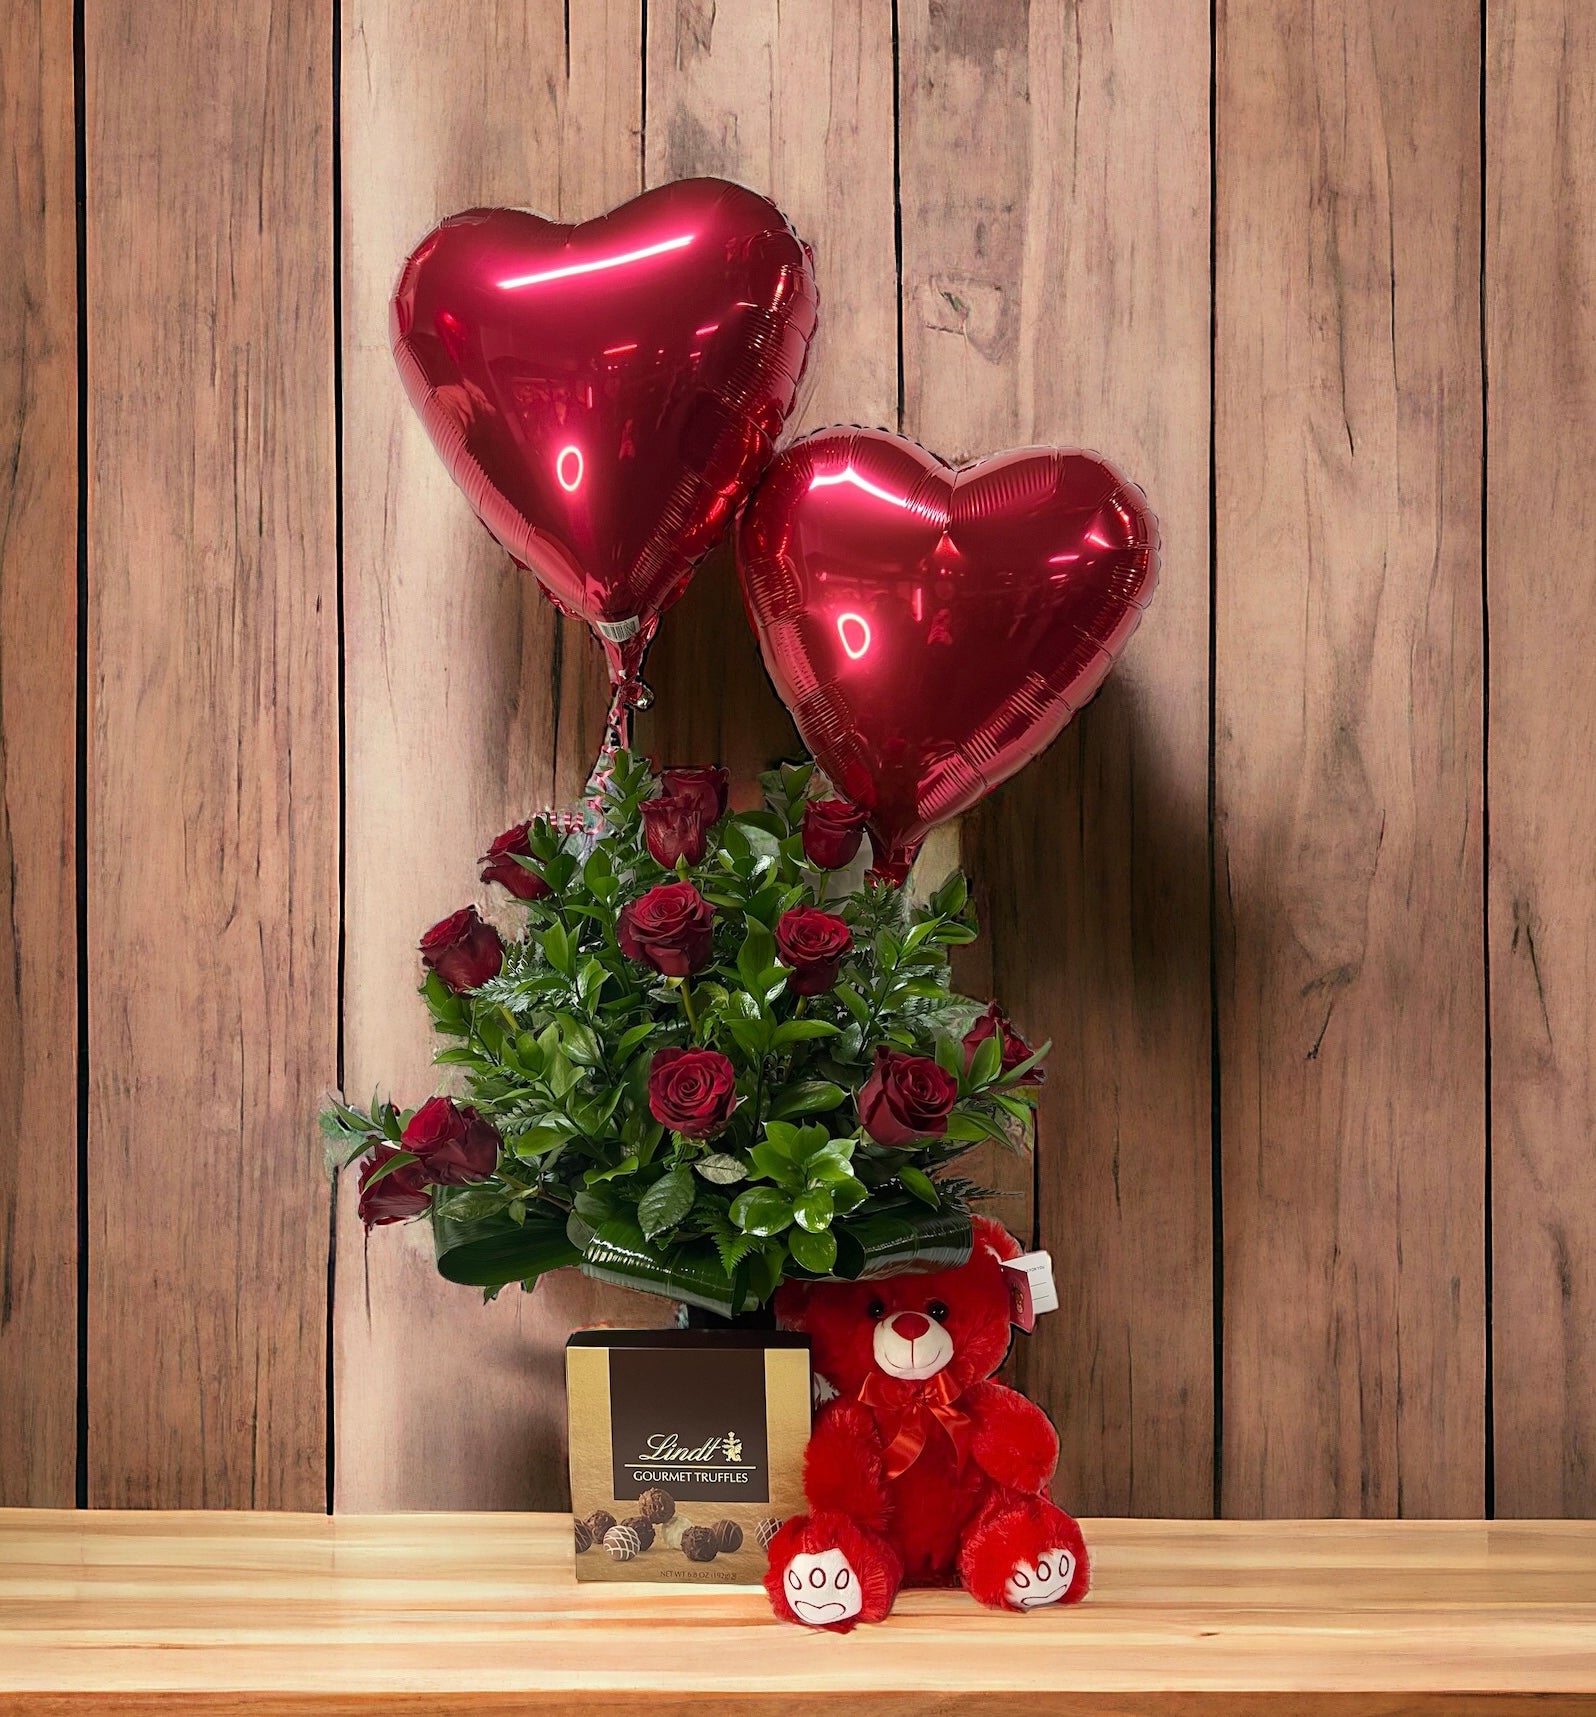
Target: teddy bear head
column 911, row 1327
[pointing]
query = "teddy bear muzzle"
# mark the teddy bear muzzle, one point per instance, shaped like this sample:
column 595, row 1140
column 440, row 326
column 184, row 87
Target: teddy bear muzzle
column 911, row 1346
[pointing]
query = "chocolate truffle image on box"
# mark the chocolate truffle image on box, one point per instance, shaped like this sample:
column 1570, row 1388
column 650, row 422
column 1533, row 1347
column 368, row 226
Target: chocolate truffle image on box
column 684, row 1445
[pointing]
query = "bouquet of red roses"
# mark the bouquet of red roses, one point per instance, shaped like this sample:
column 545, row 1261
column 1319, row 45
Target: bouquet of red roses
column 694, row 1071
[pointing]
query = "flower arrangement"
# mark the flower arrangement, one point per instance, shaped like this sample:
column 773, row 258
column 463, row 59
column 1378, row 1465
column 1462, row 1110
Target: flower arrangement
column 695, row 1072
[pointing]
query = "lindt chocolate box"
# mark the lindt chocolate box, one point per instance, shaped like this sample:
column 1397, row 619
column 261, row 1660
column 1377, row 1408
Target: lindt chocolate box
column 687, row 1450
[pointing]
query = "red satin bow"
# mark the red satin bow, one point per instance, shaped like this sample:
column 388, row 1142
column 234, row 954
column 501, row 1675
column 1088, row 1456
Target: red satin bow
column 927, row 1401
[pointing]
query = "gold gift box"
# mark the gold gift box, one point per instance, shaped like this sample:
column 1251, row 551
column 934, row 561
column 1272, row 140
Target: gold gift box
column 716, row 1420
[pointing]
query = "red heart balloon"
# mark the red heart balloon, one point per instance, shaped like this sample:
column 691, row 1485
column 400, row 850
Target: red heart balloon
column 933, row 629
column 606, row 394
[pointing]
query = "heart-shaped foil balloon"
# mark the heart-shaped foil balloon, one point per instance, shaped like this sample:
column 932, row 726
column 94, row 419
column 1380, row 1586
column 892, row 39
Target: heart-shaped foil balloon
column 606, row 394
column 933, row 629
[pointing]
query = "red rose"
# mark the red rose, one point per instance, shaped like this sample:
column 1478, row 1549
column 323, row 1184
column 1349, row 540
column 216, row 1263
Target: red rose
column 396, row 1196
column 706, row 787
column 833, row 830
column 499, row 865
column 813, row 943
column 906, row 1098
column 692, row 1091
column 462, row 950
column 673, row 827
column 1015, row 1048
column 672, row 929
column 453, row 1145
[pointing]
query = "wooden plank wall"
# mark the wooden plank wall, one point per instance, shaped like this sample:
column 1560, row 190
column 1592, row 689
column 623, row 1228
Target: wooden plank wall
column 1304, row 899
column 39, row 481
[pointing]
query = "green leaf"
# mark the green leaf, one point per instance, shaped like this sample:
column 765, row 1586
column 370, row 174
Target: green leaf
column 787, row 1138
column 626, row 1166
column 949, row 899
column 460, row 1057
column 496, row 1250
column 899, row 1242
column 632, row 1036
column 757, row 952
column 590, row 982
column 969, row 1127
column 761, row 1210
column 848, row 1194
column 814, row 1209
column 853, row 1002
column 987, row 1062
column 950, row 1056
column 1021, row 1068
column 813, row 1252
column 666, row 1202
column 538, row 1141
column 720, row 1169
column 771, row 1163
column 447, row 1010
column 593, row 1207
column 399, row 1160
column 919, row 1183
column 748, row 1034
column 830, row 1166
column 734, row 1248
column 619, row 1253
column 802, row 1030
column 557, row 949
column 808, row 1097
column 814, row 1140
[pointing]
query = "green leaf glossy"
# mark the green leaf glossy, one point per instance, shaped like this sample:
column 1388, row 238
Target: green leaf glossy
column 813, row 1252
column 666, row 1202
column 496, row 1251
column 761, row 1210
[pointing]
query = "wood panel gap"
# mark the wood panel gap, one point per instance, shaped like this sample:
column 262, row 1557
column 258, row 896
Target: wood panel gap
column 1216, row 1139
column 331, row 1382
column 1485, row 770
column 80, row 833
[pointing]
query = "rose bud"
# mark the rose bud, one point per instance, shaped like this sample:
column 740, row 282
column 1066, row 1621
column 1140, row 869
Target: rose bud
column 692, row 1091
column 463, row 950
column 833, row 830
column 396, row 1196
column 672, row 929
column 706, row 787
column 673, row 828
column 1015, row 1048
column 499, row 865
column 906, row 1098
column 453, row 1145
column 813, row 943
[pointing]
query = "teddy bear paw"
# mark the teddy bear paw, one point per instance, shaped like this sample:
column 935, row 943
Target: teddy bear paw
column 1033, row 1585
column 822, row 1588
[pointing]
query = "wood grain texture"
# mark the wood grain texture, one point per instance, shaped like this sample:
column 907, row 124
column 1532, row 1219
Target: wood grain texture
column 288, row 1614
column 796, row 102
column 213, row 885
column 1541, row 506
column 469, row 705
column 1056, row 290
column 38, row 767
column 1348, row 778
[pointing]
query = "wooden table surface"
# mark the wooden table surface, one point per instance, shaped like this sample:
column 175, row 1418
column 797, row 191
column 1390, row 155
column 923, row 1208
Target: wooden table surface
column 277, row 1614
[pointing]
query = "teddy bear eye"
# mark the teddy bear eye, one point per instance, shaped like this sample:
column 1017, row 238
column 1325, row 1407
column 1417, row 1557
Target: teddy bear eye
column 938, row 1311
column 876, row 1309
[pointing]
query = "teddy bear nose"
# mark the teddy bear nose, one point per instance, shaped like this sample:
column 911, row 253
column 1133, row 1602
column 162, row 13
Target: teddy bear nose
column 910, row 1325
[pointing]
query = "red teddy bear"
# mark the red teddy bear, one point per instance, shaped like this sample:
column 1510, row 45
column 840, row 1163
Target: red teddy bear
column 921, row 1472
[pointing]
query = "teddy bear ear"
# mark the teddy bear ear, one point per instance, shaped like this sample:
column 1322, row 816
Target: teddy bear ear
column 791, row 1303
column 996, row 1239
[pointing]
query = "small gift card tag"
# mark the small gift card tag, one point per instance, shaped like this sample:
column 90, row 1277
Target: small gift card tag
column 1031, row 1289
